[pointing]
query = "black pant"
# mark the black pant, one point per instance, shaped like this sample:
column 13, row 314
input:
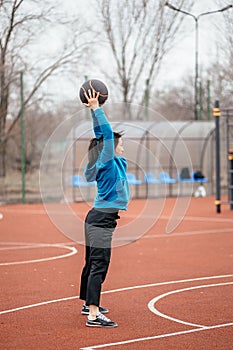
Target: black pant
column 99, row 227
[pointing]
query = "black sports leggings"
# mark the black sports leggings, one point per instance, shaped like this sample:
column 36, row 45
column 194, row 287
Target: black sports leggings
column 99, row 227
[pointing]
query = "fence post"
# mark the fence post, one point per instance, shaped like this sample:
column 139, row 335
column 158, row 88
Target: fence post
column 217, row 114
column 208, row 100
column 230, row 158
column 22, row 132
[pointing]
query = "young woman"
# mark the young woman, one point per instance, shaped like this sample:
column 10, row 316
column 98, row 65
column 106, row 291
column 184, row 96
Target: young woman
column 107, row 167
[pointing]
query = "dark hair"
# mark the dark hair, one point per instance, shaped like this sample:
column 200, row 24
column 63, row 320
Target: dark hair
column 96, row 146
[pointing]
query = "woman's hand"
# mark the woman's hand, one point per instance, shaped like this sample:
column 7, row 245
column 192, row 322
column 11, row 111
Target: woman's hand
column 92, row 99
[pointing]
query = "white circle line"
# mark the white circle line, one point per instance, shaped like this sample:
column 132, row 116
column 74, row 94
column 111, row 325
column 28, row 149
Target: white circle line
column 151, row 304
column 28, row 245
column 116, row 291
column 36, row 243
column 132, row 288
column 72, row 251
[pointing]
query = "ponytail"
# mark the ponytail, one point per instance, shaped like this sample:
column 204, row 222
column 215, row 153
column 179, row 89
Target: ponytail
column 96, row 146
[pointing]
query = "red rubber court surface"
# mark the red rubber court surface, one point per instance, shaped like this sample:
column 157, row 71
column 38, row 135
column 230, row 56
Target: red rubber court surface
column 165, row 291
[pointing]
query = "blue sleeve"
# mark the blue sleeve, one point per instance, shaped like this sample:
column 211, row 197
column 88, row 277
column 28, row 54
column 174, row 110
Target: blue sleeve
column 101, row 127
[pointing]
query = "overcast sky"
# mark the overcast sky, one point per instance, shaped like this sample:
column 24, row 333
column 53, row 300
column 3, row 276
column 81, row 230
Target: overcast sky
column 181, row 60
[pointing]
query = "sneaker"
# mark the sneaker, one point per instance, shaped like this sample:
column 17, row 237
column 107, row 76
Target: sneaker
column 101, row 321
column 85, row 310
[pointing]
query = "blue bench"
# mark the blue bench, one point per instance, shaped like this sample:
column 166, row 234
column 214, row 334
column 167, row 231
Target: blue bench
column 150, row 178
column 132, row 179
column 164, row 177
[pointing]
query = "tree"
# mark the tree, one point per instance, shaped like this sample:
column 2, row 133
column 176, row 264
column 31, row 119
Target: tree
column 176, row 103
column 23, row 22
column 39, row 125
column 222, row 70
column 217, row 79
column 139, row 33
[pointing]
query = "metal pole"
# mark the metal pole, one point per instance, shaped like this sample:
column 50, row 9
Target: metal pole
column 196, row 70
column 147, row 99
column 200, row 111
column 208, row 100
column 73, row 164
column 22, row 134
column 230, row 158
column 217, row 114
column 196, row 18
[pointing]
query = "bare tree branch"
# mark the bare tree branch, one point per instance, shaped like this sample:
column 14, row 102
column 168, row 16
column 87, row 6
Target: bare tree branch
column 139, row 33
column 19, row 31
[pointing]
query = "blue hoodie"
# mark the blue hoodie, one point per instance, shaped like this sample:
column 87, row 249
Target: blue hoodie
column 109, row 170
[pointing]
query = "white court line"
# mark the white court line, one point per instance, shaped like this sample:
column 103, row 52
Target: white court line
column 12, row 243
column 15, row 247
column 153, row 309
column 28, row 245
column 186, row 217
column 37, row 304
column 177, row 234
column 28, row 211
column 116, row 291
column 128, row 215
column 166, row 335
column 132, row 288
column 191, row 233
column 72, row 250
column 198, row 218
column 160, row 336
column 145, row 236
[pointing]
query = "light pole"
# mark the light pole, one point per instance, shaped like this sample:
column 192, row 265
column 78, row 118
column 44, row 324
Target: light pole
column 196, row 18
column 22, row 134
